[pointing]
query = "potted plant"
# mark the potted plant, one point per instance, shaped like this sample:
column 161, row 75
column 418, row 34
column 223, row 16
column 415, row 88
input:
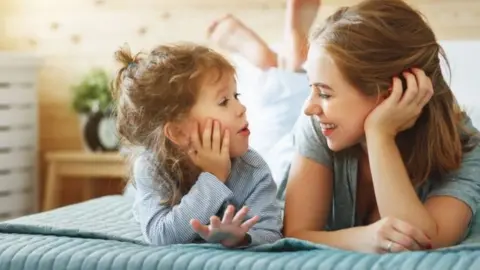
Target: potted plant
column 92, row 101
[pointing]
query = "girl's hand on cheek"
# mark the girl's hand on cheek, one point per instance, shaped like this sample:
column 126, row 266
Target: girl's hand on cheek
column 401, row 109
column 211, row 153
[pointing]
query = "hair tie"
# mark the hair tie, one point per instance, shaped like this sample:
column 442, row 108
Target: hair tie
column 131, row 64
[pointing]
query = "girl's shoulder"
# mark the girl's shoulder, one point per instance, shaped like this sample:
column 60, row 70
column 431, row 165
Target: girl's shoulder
column 144, row 158
column 144, row 164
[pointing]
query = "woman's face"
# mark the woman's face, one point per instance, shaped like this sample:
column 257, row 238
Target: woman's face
column 339, row 107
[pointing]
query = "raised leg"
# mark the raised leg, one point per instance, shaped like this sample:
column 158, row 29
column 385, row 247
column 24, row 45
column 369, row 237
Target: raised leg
column 299, row 17
column 230, row 34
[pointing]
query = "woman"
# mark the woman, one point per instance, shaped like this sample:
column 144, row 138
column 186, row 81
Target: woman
column 385, row 159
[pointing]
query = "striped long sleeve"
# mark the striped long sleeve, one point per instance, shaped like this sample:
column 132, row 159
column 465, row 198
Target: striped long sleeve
column 250, row 183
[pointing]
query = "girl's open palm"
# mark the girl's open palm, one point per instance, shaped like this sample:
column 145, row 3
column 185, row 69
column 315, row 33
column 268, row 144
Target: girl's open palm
column 230, row 231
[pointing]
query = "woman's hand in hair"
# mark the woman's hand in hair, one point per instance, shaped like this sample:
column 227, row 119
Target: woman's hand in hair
column 211, row 152
column 400, row 110
column 231, row 231
column 394, row 235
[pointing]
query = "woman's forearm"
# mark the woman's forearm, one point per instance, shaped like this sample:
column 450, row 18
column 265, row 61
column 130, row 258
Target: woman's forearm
column 395, row 194
column 347, row 239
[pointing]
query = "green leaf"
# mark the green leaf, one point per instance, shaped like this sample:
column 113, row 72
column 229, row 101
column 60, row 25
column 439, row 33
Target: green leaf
column 93, row 90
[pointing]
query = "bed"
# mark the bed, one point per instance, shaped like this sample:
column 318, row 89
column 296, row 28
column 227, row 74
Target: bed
column 102, row 234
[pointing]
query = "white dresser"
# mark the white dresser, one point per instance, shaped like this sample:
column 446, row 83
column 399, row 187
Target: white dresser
column 18, row 134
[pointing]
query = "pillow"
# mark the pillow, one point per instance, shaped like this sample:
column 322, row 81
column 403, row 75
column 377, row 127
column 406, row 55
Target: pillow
column 463, row 57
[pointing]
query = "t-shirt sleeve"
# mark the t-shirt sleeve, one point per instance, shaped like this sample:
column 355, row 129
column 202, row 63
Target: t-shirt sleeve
column 310, row 142
column 462, row 184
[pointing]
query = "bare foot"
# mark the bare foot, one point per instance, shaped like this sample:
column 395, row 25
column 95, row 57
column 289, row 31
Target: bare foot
column 300, row 15
column 231, row 34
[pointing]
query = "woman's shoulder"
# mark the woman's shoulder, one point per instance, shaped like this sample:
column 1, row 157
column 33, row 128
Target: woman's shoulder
column 469, row 134
column 470, row 160
column 462, row 183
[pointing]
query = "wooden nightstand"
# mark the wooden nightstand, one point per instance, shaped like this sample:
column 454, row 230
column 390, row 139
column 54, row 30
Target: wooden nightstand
column 79, row 164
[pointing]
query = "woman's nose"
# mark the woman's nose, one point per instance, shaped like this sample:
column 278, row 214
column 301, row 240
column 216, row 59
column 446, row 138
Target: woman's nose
column 312, row 108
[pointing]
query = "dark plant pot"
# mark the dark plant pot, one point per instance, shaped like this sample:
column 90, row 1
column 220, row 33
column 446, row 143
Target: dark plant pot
column 99, row 132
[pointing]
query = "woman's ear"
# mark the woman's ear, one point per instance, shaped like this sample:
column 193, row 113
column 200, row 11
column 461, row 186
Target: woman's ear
column 175, row 133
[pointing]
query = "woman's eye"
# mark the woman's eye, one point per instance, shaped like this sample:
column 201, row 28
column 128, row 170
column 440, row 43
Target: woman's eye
column 324, row 96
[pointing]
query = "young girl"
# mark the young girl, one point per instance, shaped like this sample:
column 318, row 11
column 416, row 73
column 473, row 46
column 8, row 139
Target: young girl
column 180, row 105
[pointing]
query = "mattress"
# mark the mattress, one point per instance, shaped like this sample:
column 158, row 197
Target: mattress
column 102, row 234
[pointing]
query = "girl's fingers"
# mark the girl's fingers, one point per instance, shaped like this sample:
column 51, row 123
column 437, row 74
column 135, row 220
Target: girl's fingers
column 240, row 216
column 226, row 143
column 215, row 222
column 228, row 215
column 199, row 228
column 249, row 223
column 216, row 140
column 195, row 142
column 207, row 135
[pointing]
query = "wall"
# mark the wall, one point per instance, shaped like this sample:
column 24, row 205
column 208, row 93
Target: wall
column 72, row 36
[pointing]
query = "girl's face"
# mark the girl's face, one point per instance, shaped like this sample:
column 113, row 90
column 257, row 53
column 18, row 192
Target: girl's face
column 339, row 107
column 218, row 100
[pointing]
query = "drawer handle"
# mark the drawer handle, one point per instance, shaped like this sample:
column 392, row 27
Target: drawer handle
column 5, row 172
column 5, row 150
column 4, row 216
column 5, row 193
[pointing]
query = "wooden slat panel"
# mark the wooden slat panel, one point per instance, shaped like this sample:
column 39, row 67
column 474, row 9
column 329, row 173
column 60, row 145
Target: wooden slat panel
column 15, row 202
column 17, row 116
column 17, row 159
column 15, row 180
column 17, row 138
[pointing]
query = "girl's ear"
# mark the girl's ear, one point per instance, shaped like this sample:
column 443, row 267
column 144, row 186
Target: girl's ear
column 176, row 133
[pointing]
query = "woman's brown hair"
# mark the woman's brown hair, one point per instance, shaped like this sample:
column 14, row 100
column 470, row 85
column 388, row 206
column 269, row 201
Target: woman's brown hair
column 161, row 87
column 377, row 39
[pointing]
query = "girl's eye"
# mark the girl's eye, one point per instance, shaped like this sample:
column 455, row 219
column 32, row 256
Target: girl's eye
column 224, row 102
column 324, row 96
